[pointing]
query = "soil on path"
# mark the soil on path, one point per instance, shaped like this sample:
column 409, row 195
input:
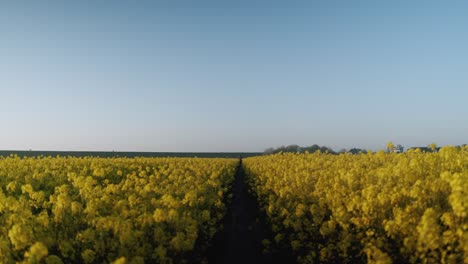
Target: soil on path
column 240, row 241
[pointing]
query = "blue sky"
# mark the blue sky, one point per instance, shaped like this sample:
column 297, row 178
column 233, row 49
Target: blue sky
column 231, row 76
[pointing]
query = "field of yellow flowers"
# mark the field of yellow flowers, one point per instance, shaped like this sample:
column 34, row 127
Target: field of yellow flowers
column 379, row 207
column 97, row 210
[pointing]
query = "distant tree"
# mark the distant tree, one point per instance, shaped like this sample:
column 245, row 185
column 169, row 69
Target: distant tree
column 324, row 149
column 424, row 149
column 296, row 148
column 311, row 149
column 269, row 151
column 292, row 148
column 357, row 151
column 390, row 146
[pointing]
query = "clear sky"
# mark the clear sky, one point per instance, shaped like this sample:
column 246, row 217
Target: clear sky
column 232, row 75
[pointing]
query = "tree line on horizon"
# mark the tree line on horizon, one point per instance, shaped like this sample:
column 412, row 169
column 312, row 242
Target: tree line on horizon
column 297, row 148
column 314, row 148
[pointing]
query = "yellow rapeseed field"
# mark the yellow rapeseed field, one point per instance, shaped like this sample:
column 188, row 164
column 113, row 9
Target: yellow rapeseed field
column 96, row 210
column 372, row 207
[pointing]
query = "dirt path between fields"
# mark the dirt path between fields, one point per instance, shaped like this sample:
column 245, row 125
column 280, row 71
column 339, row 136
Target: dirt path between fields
column 244, row 229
